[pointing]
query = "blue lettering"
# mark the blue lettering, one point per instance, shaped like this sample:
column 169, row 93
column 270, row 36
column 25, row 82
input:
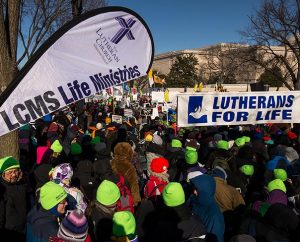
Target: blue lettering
column 64, row 96
column 290, row 100
column 286, row 114
column 252, row 102
column 228, row 116
column 242, row 116
column 215, row 106
column 215, row 116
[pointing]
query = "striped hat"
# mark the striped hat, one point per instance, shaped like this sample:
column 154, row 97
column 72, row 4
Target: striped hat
column 74, row 227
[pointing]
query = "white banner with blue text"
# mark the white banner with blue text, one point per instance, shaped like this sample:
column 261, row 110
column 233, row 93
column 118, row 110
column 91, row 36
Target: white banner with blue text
column 97, row 50
column 210, row 109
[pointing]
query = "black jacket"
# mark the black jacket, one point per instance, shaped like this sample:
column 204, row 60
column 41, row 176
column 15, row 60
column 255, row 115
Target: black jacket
column 172, row 224
column 14, row 204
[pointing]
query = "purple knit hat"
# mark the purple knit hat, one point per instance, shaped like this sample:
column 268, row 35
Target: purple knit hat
column 74, row 227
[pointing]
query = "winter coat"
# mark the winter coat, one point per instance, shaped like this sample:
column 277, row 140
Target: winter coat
column 71, row 134
column 121, row 165
column 226, row 196
column 41, row 224
column 280, row 223
column 100, row 218
column 172, row 224
column 14, row 205
column 173, row 156
column 83, row 178
column 205, row 207
column 218, row 153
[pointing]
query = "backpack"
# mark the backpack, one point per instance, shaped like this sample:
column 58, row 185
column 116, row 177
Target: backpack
column 126, row 201
column 222, row 162
column 155, row 188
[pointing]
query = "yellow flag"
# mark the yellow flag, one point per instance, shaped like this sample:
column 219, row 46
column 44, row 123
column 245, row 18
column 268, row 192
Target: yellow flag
column 150, row 77
column 166, row 95
column 200, row 86
column 195, row 87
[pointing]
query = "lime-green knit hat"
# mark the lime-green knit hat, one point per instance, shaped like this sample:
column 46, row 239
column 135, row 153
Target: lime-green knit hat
column 76, row 149
column 223, row 144
column 123, row 224
column 191, row 157
column 8, row 163
column 247, row 139
column 276, row 184
column 51, row 194
column 247, row 169
column 56, row 146
column 173, row 194
column 280, row 174
column 107, row 193
column 176, row 143
column 240, row 142
column 95, row 140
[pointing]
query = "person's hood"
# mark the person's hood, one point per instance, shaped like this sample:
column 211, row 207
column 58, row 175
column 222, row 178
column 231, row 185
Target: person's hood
column 272, row 164
column 205, row 186
column 156, row 149
column 277, row 196
column 43, row 155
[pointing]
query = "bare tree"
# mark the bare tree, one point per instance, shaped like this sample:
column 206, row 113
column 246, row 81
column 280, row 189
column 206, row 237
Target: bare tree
column 29, row 23
column 274, row 34
column 223, row 62
column 44, row 18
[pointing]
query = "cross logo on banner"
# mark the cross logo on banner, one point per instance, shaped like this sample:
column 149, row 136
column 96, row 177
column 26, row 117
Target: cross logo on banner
column 125, row 30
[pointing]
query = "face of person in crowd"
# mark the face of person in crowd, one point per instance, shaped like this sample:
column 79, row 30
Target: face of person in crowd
column 61, row 208
column 12, row 175
column 113, row 206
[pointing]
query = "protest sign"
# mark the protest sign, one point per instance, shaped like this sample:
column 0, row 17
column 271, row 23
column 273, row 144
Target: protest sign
column 128, row 112
column 95, row 51
column 239, row 108
column 117, row 118
column 146, row 112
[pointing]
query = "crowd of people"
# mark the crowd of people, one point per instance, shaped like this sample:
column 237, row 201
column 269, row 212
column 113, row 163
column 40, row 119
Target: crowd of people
column 82, row 177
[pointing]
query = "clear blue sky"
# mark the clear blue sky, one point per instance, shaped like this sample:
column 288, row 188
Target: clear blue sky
column 188, row 24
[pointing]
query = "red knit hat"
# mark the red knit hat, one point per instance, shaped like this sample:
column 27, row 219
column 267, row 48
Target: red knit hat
column 291, row 135
column 159, row 165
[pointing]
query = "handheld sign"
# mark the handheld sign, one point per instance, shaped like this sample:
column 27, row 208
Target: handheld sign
column 97, row 50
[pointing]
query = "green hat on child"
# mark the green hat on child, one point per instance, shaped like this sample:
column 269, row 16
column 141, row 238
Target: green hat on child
column 175, row 143
column 240, row 142
column 280, row 174
column 173, row 194
column 123, row 224
column 248, row 170
column 223, row 144
column 191, row 157
column 8, row 163
column 76, row 149
column 276, row 184
column 247, row 139
column 56, row 146
column 108, row 193
column 51, row 194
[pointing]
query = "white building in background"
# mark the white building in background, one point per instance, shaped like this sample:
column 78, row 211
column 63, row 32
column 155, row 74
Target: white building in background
column 245, row 74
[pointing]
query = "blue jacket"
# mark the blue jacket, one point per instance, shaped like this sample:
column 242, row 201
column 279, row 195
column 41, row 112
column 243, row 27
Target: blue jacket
column 205, row 207
column 41, row 225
